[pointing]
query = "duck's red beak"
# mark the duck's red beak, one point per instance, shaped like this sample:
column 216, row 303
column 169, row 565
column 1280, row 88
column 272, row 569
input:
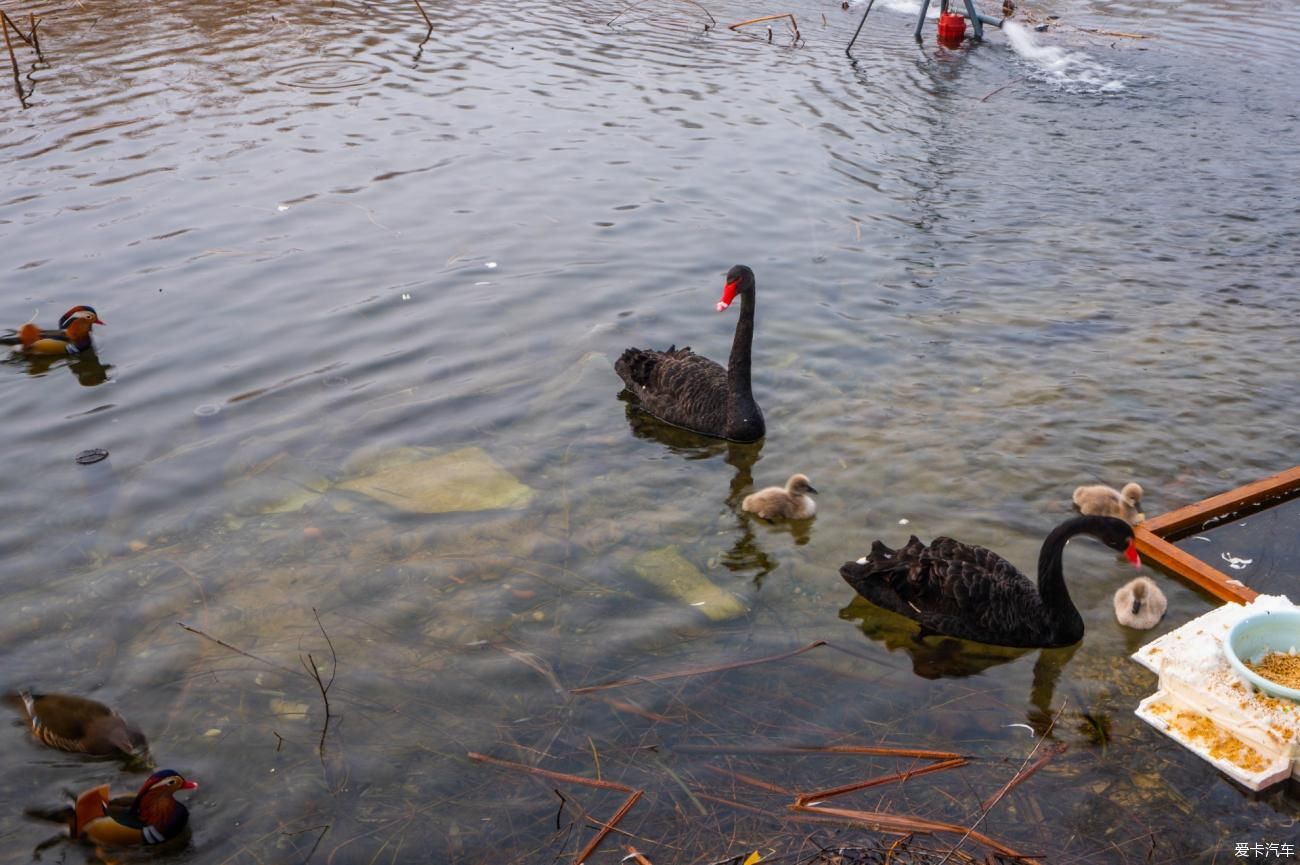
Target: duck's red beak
column 190, row 785
column 1132, row 554
column 728, row 295
column 98, row 320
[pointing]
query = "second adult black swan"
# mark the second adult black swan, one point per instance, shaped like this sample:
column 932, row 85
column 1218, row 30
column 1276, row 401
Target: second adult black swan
column 681, row 388
column 966, row 591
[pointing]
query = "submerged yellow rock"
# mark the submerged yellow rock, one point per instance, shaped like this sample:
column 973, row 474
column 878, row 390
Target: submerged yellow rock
column 463, row 480
column 670, row 572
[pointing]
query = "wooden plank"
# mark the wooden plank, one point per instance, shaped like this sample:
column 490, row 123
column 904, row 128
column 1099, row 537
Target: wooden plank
column 1225, row 503
column 1187, row 566
column 1151, row 535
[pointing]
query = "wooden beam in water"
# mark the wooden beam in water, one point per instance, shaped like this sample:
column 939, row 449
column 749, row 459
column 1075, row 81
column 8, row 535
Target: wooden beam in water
column 1152, row 535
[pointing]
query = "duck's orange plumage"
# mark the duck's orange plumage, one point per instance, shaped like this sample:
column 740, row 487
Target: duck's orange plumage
column 151, row 816
column 72, row 336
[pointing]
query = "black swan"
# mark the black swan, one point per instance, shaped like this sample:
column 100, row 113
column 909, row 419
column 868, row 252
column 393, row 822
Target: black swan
column 966, row 591
column 790, row 502
column 683, row 389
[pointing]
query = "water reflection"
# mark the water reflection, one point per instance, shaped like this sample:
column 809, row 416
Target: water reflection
column 940, row 657
column 746, row 554
column 86, row 367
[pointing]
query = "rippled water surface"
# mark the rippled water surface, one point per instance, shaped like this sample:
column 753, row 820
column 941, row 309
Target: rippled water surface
column 327, row 246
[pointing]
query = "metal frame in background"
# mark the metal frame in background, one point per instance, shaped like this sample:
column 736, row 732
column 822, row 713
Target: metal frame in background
column 1151, row 534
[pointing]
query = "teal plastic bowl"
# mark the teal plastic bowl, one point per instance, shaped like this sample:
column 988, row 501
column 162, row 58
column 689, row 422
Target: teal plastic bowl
column 1257, row 635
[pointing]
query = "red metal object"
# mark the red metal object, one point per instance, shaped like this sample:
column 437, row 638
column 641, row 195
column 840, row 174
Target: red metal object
column 952, row 29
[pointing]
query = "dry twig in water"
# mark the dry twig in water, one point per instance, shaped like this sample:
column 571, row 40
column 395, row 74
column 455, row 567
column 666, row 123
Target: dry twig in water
column 697, row 671
column 713, row 22
column 985, row 808
column 605, row 828
column 793, row 23
column 420, row 6
column 310, row 665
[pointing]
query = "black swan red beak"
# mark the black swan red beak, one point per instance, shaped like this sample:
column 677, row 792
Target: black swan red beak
column 728, row 294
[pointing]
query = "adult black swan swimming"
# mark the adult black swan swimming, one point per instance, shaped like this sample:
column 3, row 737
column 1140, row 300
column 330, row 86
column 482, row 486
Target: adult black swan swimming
column 966, row 591
column 681, row 388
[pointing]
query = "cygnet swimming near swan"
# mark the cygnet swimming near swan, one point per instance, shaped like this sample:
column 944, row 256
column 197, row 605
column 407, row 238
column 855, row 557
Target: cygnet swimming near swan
column 789, row 503
column 1140, row 604
column 1103, row 501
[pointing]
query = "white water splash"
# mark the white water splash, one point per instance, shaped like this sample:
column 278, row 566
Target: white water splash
column 1073, row 69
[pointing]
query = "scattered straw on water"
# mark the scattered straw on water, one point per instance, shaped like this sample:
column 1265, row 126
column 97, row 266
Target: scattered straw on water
column 1280, row 667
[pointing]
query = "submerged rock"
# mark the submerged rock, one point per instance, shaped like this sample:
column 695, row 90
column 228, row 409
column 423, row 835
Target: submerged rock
column 667, row 570
column 463, row 480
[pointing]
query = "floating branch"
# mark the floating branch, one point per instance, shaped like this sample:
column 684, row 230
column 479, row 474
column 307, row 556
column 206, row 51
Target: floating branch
column 659, row 677
column 793, row 23
column 605, row 828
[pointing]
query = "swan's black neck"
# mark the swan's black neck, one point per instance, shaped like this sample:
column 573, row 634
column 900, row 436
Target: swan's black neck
column 1052, row 590
column 744, row 419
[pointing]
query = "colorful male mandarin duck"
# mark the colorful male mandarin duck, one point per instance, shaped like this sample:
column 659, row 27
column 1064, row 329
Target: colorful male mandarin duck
column 73, row 335
column 151, row 816
column 79, row 724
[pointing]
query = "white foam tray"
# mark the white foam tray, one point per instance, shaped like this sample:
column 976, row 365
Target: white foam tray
column 1195, row 677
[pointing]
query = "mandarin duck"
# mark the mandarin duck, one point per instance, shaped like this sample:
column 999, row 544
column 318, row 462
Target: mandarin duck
column 72, row 336
column 79, row 724
column 151, row 816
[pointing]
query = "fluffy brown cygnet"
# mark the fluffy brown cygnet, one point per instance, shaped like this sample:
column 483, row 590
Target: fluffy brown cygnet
column 1103, row 501
column 790, row 503
column 1140, row 604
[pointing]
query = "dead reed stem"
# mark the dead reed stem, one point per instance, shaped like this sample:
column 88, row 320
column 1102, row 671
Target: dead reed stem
column 753, row 782
column 223, row 644
column 713, row 22
column 20, row 34
column 606, row 828
column 984, row 810
column 659, row 677
column 1023, row 775
column 902, row 824
column 549, row 773
column 323, row 685
column 5, row 24
column 425, row 15
column 793, row 23
column 636, row 855
column 805, row 798
column 874, row 750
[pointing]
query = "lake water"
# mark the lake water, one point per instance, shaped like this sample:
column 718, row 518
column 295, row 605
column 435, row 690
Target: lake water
column 325, row 244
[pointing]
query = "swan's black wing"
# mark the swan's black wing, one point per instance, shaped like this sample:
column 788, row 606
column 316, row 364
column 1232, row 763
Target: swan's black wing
column 952, row 588
column 677, row 386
